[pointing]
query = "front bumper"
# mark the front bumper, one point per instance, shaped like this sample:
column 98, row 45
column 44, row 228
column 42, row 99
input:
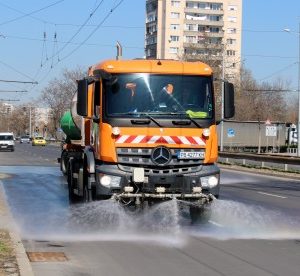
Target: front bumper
column 6, row 147
column 179, row 186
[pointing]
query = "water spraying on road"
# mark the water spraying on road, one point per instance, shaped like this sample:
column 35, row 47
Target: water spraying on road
column 108, row 220
column 164, row 223
column 235, row 220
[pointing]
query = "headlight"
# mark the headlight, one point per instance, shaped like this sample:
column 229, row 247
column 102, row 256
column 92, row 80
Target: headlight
column 110, row 180
column 206, row 132
column 209, row 181
column 105, row 180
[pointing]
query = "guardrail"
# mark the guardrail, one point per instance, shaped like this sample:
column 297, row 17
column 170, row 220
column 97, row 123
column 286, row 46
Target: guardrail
column 284, row 163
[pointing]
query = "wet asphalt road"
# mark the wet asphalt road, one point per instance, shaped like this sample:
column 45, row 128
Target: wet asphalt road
column 254, row 228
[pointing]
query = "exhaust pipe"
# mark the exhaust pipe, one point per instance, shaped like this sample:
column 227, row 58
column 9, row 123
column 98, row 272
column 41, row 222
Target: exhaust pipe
column 119, row 51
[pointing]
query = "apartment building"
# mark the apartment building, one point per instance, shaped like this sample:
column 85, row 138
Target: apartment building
column 195, row 29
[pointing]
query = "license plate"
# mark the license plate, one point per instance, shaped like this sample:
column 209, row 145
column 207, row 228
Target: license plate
column 3, row 147
column 191, row 155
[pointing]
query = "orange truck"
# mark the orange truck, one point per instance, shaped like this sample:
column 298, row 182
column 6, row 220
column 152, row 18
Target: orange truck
column 144, row 131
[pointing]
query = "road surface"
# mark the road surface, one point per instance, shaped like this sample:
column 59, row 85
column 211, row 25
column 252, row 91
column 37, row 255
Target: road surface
column 254, row 228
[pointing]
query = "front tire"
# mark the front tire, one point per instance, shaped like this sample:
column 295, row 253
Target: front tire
column 73, row 198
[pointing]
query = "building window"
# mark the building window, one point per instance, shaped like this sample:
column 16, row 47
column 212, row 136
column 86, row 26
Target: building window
column 232, row 19
column 151, row 29
column 191, row 27
column 190, row 39
column 174, row 26
column 230, row 53
column 215, row 6
column 151, row 40
column 151, row 17
column 173, row 50
column 175, row 15
column 202, row 29
column 231, row 30
column 231, row 41
column 175, row 3
column 214, row 30
column 191, row 5
column 232, row 8
column 214, row 18
column 203, row 6
column 174, row 38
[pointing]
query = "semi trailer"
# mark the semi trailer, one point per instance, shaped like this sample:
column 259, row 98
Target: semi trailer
column 144, row 131
column 257, row 136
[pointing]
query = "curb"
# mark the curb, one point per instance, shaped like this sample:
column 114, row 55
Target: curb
column 7, row 223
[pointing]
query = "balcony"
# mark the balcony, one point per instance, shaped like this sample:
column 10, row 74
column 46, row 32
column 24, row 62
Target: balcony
column 217, row 47
column 206, row 34
column 204, row 11
column 205, row 22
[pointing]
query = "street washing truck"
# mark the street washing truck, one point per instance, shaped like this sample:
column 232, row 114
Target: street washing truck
column 144, row 131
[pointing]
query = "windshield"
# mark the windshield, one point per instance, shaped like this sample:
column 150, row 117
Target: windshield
column 6, row 137
column 159, row 95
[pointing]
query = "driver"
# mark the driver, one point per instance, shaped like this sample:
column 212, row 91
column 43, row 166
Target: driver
column 167, row 100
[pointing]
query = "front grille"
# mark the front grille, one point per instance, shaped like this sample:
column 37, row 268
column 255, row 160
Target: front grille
column 130, row 158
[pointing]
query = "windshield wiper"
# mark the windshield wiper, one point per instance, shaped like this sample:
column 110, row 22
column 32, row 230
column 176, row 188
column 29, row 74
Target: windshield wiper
column 147, row 115
column 186, row 116
column 151, row 118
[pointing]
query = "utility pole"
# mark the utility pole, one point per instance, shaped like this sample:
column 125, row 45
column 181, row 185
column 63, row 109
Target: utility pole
column 222, row 102
column 298, row 130
column 30, row 134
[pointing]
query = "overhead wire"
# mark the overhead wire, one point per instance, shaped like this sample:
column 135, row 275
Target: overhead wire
column 72, row 43
column 24, row 13
column 16, row 70
column 279, row 71
column 95, row 29
column 33, row 12
column 54, row 54
column 80, row 28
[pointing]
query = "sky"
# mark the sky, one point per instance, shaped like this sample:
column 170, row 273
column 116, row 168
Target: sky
column 39, row 39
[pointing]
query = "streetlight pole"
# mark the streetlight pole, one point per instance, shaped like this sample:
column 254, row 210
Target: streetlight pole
column 298, row 129
column 222, row 102
column 30, row 121
column 298, row 122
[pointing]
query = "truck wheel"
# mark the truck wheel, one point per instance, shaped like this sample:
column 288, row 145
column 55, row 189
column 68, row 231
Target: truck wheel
column 200, row 214
column 87, row 195
column 64, row 162
column 72, row 197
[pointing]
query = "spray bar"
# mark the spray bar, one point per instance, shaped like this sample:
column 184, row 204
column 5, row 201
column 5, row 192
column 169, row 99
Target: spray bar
column 207, row 198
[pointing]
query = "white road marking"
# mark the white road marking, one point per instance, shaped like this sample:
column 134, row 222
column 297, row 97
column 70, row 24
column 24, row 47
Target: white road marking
column 272, row 195
column 215, row 223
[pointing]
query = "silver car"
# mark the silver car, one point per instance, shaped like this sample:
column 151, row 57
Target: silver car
column 25, row 139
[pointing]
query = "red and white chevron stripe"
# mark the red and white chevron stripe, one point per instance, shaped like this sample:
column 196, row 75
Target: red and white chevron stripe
column 173, row 140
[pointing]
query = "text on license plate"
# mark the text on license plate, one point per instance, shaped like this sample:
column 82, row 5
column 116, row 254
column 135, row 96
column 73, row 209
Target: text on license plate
column 3, row 147
column 190, row 155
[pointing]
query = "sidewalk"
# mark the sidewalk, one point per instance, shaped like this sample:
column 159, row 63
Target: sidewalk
column 13, row 258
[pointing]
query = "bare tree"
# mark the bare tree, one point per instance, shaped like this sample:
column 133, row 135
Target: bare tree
column 260, row 101
column 58, row 95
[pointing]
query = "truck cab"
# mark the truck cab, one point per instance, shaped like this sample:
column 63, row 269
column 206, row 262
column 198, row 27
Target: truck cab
column 148, row 131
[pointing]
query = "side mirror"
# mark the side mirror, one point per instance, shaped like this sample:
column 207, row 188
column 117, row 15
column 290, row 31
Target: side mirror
column 229, row 108
column 82, row 98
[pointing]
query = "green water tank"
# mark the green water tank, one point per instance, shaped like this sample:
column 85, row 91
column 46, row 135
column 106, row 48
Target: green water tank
column 69, row 127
